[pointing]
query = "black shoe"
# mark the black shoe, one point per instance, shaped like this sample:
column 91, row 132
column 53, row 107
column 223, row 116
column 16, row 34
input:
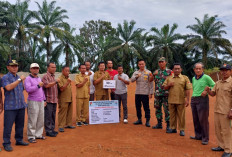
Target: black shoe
column 226, row 154
column 168, row 125
column 21, row 143
column 8, row 148
column 85, row 123
column 194, row 138
column 55, row 132
column 70, row 127
column 158, row 126
column 50, row 134
column 171, row 131
column 61, row 129
column 148, row 123
column 218, row 149
column 138, row 122
column 79, row 124
column 204, row 142
column 182, row 133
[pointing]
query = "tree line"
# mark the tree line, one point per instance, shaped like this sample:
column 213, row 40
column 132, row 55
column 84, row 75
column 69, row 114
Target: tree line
column 43, row 36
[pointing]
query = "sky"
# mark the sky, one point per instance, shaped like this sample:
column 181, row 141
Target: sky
column 146, row 13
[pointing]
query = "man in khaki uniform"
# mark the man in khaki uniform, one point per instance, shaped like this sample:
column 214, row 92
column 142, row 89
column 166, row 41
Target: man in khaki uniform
column 223, row 111
column 65, row 100
column 99, row 76
column 83, row 91
column 178, row 87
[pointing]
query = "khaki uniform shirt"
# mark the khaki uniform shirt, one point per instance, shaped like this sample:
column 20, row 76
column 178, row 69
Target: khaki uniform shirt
column 223, row 90
column 82, row 92
column 65, row 95
column 177, row 92
column 143, row 85
column 99, row 90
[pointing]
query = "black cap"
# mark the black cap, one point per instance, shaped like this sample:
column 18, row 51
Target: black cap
column 12, row 62
column 225, row 66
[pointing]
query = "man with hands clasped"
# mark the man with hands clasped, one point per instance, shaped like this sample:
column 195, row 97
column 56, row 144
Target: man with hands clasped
column 223, row 111
column 178, row 86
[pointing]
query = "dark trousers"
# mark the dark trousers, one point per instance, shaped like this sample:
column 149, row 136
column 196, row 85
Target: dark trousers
column 122, row 98
column 112, row 96
column 139, row 100
column 200, row 112
column 50, row 117
column 11, row 117
column 91, row 97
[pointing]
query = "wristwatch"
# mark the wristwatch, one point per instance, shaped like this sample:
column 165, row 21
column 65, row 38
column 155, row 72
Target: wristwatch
column 19, row 79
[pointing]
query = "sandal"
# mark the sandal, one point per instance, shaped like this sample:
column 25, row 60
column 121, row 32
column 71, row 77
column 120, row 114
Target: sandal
column 32, row 140
column 41, row 138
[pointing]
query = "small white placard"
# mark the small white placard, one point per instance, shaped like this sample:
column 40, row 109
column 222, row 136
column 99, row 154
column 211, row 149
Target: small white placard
column 109, row 84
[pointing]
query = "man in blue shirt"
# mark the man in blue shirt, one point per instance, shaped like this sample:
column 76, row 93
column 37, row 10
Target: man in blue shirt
column 14, row 105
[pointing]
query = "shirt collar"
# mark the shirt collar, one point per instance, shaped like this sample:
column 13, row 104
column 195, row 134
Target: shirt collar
column 62, row 75
column 9, row 73
column 173, row 76
column 32, row 76
column 227, row 80
column 199, row 77
column 50, row 74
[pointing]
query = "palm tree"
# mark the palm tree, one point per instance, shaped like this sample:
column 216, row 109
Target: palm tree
column 66, row 45
column 122, row 42
column 50, row 22
column 164, row 41
column 208, row 39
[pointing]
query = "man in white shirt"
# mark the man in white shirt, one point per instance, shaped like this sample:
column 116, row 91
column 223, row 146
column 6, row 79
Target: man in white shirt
column 90, row 73
column 121, row 91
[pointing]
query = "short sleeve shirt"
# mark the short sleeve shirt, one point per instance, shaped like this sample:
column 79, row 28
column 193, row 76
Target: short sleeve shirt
column 223, row 90
column 159, row 80
column 65, row 95
column 14, row 99
column 177, row 92
column 99, row 87
column 121, row 87
column 82, row 92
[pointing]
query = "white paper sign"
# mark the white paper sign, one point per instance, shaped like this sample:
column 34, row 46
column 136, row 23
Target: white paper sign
column 109, row 84
column 103, row 112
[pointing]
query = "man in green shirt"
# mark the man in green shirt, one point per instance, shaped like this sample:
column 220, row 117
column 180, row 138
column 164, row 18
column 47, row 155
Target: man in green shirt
column 200, row 103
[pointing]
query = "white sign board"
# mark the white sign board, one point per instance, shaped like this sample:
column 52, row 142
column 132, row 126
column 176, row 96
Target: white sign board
column 109, row 84
column 102, row 112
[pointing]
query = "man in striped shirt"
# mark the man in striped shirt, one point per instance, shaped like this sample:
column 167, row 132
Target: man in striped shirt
column 51, row 94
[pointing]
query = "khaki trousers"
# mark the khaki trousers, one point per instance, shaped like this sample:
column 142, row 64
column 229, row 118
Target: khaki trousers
column 177, row 114
column 223, row 131
column 82, row 109
column 102, row 97
column 35, row 119
column 65, row 114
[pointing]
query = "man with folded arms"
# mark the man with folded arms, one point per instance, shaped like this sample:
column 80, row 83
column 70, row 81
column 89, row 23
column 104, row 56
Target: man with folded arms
column 82, row 95
column 14, row 105
column 65, row 100
column 99, row 76
column 223, row 111
column 200, row 104
column 36, row 98
column 178, row 86
column 51, row 94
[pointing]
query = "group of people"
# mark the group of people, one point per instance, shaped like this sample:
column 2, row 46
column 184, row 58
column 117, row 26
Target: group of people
column 172, row 91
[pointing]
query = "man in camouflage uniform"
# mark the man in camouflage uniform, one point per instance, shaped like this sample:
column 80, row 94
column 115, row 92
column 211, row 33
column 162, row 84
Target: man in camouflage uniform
column 161, row 95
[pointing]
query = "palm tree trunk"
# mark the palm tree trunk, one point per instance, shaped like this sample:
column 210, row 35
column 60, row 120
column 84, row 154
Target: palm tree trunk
column 67, row 55
column 204, row 58
column 48, row 50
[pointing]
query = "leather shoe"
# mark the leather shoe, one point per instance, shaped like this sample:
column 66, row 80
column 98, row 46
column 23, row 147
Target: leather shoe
column 55, row 132
column 8, row 148
column 217, row 149
column 147, row 124
column 138, row 122
column 51, row 134
column 70, row 127
column 61, row 129
column 204, row 142
column 226, row 154
column 182, row 133
column 194, row 138
column 21, row 143
column 171, row 131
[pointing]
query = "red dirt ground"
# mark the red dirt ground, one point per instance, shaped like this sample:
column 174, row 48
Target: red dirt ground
column 110, row 140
